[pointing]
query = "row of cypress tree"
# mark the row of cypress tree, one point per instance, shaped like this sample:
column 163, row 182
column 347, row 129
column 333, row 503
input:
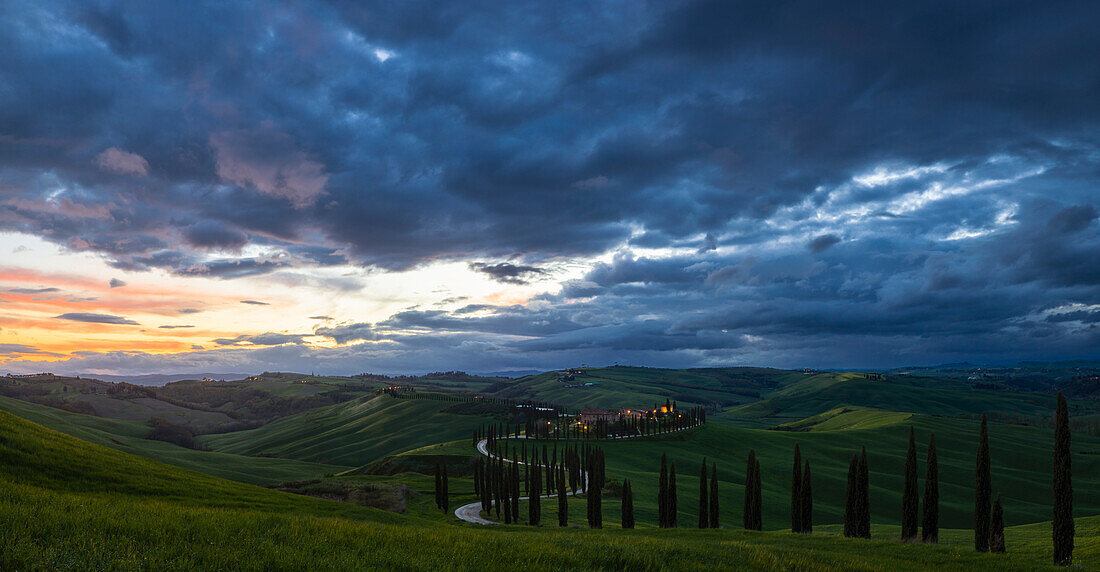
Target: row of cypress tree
column 988, row 511
column 802, row 495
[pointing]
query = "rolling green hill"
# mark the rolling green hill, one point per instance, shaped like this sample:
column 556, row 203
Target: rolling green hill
column 70, row 504
column 1021, row 467
column 824, row 392
column 353, row 433
column 623, row 386
column 129, row 436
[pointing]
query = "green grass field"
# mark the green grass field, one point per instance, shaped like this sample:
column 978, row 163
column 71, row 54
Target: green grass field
column 129, row 436
column 1021, row 467
column 354, row 433
column 69, row 504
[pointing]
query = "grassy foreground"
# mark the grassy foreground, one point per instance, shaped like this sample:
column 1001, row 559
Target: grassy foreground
column 71, row 505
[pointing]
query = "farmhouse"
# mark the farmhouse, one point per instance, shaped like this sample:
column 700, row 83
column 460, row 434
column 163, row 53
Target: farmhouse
column 594, row 415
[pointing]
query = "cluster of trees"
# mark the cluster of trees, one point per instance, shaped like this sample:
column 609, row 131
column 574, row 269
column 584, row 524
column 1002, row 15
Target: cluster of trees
column 752, row 515
column 594, row 488
column 988, row 510
column 857, row 502
column 501, row 480
column 802, row 495
column 442, row 488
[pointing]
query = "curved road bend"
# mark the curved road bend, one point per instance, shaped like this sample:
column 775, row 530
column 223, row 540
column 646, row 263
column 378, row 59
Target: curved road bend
column 472, row 512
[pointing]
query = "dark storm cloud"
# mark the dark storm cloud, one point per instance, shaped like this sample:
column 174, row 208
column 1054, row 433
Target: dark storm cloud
column 345, row 333
column 507, row 272
column 209, row 234
column 116, row 283
column 96, row 318
column 822, row 243
column 712, row 153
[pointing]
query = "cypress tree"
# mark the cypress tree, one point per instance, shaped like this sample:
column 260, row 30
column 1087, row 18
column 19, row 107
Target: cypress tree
column 515, row 492
column 446, row 497
column 909, row 500
column 704, row 502
column 498, row 485
column 997, row 527
column 533, row 501
column 1063, row 486
column 597, row 509
column 438, row 487
column 930, row 525
column 628, row 505
column 662, row 494
column 507, row 494
column 864, row 504
column 750, row 487
column 563, row 500
column 672, row 503
column 796, row 491
column 850, row 496
column 982, row 490
column 807, row 519
column 714, row 495
column 757, row 499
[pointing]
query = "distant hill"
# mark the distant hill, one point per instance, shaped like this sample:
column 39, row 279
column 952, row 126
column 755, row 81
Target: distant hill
column 157, row 379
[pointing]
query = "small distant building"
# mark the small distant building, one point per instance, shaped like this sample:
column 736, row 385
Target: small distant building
column 594, row 415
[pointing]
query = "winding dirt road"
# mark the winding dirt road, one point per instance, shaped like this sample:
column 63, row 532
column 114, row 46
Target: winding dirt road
column 472, row 512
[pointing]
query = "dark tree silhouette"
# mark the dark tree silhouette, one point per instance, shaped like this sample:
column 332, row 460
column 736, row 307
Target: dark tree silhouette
column 997, row 527
column 506, row 491
column 534, row 504
column 563, row 500
column 1063, row 486
column 982, row 490
column 930, row 525
column 807, row 520
column 757, row 498
column 672, row 503
column 714, row 495
column 445, row 498
column 796, row 491
column 662, row 493
column 750, row 491
column 704, row 502
column 438, row 487
column 864, row 504
column 851, row 527
column 514, row 474
column 909, row 495
column 628, row 505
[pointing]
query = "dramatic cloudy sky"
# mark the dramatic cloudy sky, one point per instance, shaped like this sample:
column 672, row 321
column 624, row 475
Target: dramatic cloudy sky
column 409, row 186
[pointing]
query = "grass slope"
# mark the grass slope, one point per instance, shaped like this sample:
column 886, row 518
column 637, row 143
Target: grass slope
column 824, row 392
column 353, row 433
column 623, row 386
column 1020, row 454
column 129, row 436
column 69, row 504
